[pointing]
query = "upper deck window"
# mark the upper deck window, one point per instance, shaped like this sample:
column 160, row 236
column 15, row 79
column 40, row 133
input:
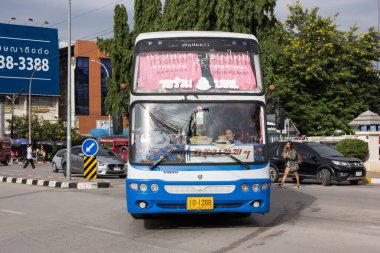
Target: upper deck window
column 197, row 66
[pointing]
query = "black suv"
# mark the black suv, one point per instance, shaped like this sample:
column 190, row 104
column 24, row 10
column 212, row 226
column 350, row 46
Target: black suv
column 320, row 162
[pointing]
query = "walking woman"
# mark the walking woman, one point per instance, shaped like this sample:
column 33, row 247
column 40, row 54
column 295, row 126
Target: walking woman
column 291, row 164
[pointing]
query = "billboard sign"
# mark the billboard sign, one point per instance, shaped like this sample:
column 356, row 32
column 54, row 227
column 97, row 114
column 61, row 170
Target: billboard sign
column 29, row 53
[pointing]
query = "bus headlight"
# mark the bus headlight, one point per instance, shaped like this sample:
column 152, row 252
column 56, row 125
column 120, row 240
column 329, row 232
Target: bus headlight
column 154, row 187
column 256, row 187
column 134, row 186
column 143, row 187
column 244, row 187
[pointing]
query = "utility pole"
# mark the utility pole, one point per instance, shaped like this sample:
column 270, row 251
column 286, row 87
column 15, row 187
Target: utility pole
column 68, row 128
column 13, row 100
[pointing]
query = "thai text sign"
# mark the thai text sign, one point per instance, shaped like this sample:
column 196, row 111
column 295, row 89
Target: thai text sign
column 193, row 71
column 28, row 49
column 209, row 153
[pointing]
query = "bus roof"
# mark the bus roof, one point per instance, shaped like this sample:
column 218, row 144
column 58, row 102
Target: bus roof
column 196, row 34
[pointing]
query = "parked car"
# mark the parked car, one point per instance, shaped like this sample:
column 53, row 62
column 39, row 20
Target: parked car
column 320, row 162
column 5, row 150
column 56, row 164
column 107, row 163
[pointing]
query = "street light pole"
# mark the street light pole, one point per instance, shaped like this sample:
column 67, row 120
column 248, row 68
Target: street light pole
column 30, row 103
column 109, row 115
column 13, row 99
column 68, row 128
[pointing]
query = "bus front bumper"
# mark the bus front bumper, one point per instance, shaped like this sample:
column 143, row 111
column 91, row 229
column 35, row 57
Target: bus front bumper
column 155, row 196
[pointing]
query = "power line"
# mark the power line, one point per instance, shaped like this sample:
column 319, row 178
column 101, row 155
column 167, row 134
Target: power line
column 85, row 13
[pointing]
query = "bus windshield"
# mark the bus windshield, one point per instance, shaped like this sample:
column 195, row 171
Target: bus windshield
column 197, row 65
column 201, row 129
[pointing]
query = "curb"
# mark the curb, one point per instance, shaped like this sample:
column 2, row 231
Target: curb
column 45, row 162
column 56, row 184
column 371, row 180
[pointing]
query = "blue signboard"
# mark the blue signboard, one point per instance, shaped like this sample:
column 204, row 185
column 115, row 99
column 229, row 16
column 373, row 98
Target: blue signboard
column 90, row 147
column 28, row 49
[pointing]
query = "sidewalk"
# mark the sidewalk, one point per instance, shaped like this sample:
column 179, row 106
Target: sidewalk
column 372, row 178
column 43, row 176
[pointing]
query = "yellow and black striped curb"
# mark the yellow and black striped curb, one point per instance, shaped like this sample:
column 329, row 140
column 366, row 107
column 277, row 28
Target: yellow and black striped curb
column 55, row 184
column 371, row 180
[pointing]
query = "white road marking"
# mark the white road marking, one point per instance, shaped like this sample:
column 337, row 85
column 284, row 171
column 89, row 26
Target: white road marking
column 373, row 227
column 10, row 211
column 105, row 230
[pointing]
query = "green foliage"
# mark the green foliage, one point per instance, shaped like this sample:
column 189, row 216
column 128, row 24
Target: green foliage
column 119, row 50
column 147, row 16
column 42, row 130
column 180, row 15
column 325, row 77
column 353, row 148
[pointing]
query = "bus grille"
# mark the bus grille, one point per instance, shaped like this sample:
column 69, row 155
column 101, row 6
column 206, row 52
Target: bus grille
column 182, row 206
column 199, row 189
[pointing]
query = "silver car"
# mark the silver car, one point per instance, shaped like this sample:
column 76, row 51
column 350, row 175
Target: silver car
column 107, row 163
column 56, row 164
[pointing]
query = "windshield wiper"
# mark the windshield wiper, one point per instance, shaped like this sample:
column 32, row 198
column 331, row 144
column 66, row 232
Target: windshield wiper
column 166, row 156
column 200, row 154
column 233, row 158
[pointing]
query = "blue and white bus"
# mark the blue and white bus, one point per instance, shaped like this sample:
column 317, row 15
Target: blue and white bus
column 197, row 125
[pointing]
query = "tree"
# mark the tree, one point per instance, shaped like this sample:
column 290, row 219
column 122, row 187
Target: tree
column 119, row 50
column 325, row 77
column 180, row 15
column 353, row 148
column 147, row 16
column 42, row 130
column 206, row 16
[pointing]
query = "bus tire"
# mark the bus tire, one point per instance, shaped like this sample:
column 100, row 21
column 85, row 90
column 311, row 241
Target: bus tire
column 140, row 216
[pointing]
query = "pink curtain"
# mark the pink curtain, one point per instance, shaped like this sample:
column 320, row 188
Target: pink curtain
column 160, row 70
column 233, row 68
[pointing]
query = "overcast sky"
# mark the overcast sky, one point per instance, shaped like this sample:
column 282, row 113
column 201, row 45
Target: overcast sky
column 93, row 18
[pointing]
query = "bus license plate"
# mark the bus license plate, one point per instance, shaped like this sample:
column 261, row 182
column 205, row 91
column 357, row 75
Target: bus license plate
column 200, row 203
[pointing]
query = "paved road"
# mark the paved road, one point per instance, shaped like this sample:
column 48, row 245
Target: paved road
column 340, row 218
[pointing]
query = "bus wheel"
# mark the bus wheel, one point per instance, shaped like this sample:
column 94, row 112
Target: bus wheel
column 139, row 216
column 242, row 215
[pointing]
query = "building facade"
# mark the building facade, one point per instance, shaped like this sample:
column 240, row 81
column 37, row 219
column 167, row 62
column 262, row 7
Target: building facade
column 89, row 70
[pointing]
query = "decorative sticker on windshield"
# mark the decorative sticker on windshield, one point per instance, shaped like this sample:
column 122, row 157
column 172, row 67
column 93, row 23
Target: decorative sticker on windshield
column 192, row 71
